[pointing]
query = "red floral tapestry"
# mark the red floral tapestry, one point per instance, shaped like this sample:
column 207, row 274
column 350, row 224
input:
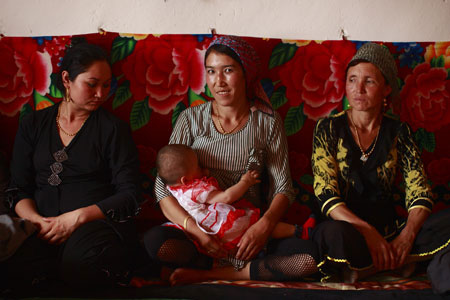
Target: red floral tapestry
column 155, row 77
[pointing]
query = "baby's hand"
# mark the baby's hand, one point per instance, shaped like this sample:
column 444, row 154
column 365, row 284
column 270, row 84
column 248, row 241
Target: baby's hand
column 251, row 177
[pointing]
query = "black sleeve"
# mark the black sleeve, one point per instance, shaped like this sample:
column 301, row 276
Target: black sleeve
column 22, row 183
column 123, row 161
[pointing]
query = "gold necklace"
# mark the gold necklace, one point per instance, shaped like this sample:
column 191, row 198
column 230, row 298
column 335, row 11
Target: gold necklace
column 61, row 129
column 365, row 156
column 220, row 124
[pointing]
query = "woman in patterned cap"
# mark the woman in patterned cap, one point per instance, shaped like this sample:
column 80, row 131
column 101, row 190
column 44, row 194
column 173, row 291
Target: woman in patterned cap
column 235, row 132
column 356, row 155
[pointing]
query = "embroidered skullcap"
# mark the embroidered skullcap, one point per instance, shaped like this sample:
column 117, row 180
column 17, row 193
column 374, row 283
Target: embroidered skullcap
column 251, row 64
column 380, row 56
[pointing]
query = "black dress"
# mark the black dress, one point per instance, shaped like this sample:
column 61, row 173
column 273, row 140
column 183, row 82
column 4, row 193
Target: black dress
column 101, row 167
column 341, row 178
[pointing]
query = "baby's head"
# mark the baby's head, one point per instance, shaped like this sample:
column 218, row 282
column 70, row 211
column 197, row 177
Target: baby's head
column 177, row 164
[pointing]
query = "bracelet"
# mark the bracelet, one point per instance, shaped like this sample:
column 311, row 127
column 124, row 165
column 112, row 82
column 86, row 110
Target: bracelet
column 186, row 221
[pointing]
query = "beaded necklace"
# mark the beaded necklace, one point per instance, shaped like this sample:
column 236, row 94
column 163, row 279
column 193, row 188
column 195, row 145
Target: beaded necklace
column 62, row 130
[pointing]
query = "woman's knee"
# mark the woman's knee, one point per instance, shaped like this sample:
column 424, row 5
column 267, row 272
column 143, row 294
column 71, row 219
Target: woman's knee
column 156, row 237
column 293, row 246
column 94, row 258
column 336, row 231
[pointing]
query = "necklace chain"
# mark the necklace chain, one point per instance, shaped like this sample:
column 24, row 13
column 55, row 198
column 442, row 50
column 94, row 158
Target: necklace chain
column 365, row 156
column 220, row 123
column 62, row 130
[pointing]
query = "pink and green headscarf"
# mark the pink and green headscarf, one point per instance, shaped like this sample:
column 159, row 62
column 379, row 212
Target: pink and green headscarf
column 252, row 68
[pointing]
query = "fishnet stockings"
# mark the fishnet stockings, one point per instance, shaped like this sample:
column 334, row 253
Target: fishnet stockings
column 283, row 268
column 182, row 253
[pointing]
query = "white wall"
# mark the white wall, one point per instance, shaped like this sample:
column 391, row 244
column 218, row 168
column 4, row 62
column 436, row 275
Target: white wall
column 380, row 20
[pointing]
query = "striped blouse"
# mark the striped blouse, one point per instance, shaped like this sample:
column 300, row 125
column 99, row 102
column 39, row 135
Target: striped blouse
column 260, row 145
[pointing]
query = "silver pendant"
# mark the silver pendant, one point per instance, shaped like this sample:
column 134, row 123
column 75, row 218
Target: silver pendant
column 364, row 158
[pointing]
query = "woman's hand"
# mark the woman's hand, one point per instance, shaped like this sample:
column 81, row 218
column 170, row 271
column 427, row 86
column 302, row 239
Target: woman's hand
column 380, row 250
column 56, row 230
column 401, row 246
column 254, row 239
column 212, row 245
column 175, row 213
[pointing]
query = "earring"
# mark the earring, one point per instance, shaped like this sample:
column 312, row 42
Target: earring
column 67, row 95
column 385, row 102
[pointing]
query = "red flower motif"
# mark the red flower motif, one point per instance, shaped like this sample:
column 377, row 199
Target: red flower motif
column 315, row 76
column 298, row 164
column 147, row 158
column 439, row 171
column 426, row 98
column 56, row 47
column 23, row 70
column 164, row 68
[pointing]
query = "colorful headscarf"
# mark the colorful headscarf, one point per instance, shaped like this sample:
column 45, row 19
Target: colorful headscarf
column 252, row 69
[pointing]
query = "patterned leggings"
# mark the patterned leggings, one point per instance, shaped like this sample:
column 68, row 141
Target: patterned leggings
column 284, row 260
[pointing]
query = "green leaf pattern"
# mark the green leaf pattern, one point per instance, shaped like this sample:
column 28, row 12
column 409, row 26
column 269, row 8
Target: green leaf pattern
column 140, row 114
column 294, row 120
column 122, row 95
column 121, row 48
column 281, row 54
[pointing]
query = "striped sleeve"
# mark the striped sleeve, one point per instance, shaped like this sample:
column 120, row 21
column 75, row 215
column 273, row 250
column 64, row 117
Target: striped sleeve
column 277, row 162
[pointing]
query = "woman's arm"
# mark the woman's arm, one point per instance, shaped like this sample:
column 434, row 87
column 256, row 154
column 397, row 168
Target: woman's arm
column 26, row 209
column 277, row 166
column 120, row 153
column 402, row 244
column 59, row 229
column 256, row 236
column 326, row 188
column 173, row 211
column 235, row 192
column 56, row 230
column 325, row 167
column 418, row 194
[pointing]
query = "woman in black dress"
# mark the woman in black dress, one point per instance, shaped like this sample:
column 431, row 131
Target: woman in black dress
column 356, row 156
column 74, row 170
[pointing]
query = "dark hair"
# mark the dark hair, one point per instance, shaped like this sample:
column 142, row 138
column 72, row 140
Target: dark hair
column 362, row 60
column 78, row 58
column 172, row 163
column 224, row 50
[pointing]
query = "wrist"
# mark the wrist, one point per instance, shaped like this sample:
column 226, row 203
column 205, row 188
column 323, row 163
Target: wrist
column 35, row 219
column 186, row 222
column 268, row 221
column 246, row 182
column 364, row 227
column 408, row 233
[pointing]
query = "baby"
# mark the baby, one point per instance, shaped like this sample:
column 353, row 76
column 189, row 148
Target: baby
column 211, row 208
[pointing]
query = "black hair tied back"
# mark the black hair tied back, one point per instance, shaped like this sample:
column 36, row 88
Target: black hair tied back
column 76, row 40
column 80, row 55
